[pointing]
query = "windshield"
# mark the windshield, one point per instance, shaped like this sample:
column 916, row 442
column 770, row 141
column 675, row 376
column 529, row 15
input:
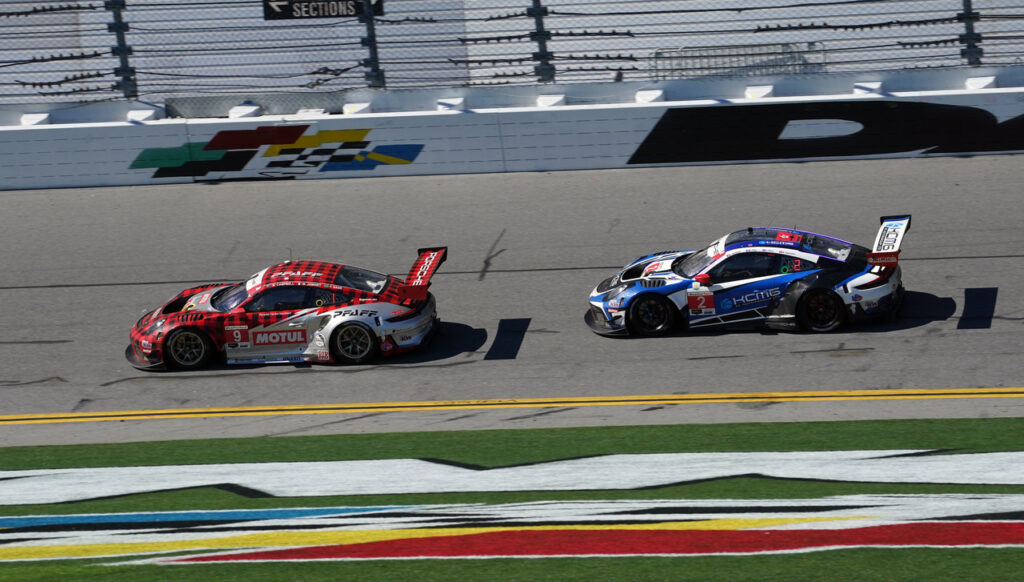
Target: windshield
column 690, row 265
column 230, row 297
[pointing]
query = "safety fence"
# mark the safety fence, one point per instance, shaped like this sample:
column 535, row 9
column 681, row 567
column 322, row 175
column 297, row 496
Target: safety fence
column 152, row 50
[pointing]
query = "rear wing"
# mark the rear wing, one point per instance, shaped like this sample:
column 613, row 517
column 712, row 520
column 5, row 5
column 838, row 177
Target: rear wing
column 418, row 279
column 886, row 250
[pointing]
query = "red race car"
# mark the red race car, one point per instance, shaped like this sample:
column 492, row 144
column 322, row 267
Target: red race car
column 295, row 311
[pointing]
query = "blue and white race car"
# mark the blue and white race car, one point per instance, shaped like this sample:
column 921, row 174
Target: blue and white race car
column 777, row 277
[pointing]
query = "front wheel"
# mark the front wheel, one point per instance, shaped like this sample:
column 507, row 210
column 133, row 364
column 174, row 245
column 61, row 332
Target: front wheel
column 187, row 349
column 651, row 315
column 820, row 311
column 354, row 343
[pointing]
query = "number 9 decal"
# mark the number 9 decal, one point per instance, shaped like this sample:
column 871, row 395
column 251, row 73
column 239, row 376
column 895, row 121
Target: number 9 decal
column 238, row 334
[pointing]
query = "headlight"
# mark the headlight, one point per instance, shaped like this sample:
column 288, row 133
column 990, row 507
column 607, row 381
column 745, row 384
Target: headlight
column 153, row 327
column 612, row 296
column 607, row 284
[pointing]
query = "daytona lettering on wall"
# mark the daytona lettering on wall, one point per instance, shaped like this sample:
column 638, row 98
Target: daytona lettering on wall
column 754, row 132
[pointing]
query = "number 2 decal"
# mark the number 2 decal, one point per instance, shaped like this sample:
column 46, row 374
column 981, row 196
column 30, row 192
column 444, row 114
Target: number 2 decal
column 701, row 302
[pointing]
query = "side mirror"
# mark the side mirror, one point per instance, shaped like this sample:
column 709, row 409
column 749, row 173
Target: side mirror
column 704, row 279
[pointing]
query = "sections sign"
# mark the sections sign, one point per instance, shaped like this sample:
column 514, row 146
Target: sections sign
column 292, row 9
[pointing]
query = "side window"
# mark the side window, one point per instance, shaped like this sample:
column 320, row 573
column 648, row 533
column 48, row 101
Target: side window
column 744, row 266
column 279, row 299
column 321, row 297
column 795, row 265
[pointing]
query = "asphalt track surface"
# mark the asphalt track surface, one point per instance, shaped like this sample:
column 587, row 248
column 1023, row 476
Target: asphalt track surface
column 81, row 265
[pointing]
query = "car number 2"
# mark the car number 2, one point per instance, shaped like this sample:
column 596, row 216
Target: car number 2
column 701, row 302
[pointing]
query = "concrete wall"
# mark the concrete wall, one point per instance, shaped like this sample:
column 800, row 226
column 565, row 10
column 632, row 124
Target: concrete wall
column 536, row 128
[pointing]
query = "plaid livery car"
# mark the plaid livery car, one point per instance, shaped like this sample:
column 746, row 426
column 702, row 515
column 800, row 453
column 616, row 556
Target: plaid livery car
column 296, row 311
column 776, row 277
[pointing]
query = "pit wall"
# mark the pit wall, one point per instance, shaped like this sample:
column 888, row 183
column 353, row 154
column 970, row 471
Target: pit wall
column 519, row 129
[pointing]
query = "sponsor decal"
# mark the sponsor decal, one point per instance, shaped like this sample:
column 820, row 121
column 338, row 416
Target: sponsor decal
column 356, row 312
column 255, row 280
column 884, row 259
column 275, row 152
column 887, row 238
column 274, row 338
column 790, row 237
column 656, row 266
column 755, row 297
column 424, row 268
column 286, row 274
column 323, row 355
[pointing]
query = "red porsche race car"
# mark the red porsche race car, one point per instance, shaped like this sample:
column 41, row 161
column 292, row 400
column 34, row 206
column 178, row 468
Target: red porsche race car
column 295, row 311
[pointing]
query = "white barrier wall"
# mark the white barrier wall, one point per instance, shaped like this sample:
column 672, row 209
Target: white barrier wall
column 659, row 125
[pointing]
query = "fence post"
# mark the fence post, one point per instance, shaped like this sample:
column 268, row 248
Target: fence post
column 374, row 76
column 972, row 52
column 127, row 84
column 544, row 70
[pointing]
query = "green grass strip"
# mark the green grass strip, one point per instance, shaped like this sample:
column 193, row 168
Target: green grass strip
column 499, row 448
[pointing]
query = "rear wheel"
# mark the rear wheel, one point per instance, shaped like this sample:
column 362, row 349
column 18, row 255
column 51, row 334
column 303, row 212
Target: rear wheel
column 187, row 349
column 651, row 315
column 354, row 343
column 820, row 311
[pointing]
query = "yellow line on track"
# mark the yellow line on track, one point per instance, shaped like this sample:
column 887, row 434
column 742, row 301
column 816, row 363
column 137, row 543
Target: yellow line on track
column 570, row 402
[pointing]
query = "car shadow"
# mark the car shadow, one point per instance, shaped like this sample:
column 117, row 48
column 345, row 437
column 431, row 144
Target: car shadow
column 918, row 309
column 451, row 340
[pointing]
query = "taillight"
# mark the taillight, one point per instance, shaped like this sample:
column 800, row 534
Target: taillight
column 884, row 274
column 406, row 315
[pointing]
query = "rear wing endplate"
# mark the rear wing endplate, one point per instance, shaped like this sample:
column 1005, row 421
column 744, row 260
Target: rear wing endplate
column 886, row 250
column 418, row 279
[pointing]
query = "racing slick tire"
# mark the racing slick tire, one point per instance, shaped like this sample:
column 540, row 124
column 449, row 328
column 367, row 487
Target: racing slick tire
column 651, row 315
column 820, row 311
column 187, row 349
column 354, row 343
